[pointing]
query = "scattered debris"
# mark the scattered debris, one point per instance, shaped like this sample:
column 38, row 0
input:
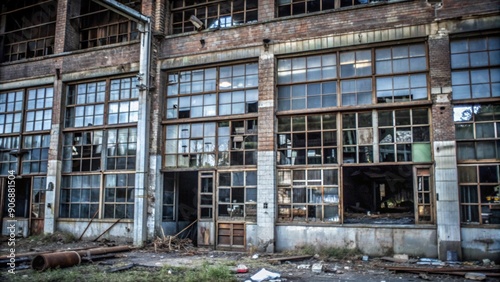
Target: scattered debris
column 241, row 268
column 173, row 242
column 475, row 276
column 317, row 268
column 290, row 258
column 365, row 258
column 303, row 266
column 430, row 261
column 423, row 276
column 255, row 256
column 264, row 274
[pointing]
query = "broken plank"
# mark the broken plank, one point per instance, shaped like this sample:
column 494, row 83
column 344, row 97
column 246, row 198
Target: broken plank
column 290, row 258
column 121, row 268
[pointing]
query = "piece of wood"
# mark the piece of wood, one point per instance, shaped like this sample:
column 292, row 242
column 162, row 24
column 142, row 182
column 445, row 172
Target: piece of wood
column 191, row 224
column 92, row 219
column 105, row 231
column 121, row 268
column 290, row 258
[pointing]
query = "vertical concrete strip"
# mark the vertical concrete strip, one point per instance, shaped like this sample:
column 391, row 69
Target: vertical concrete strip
column 266, row 164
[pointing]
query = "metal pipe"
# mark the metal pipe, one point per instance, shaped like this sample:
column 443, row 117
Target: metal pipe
column 100, row 251
column 52, row 260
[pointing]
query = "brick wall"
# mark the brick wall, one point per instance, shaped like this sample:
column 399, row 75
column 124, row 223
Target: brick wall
column 340, row 21
column 460, row 8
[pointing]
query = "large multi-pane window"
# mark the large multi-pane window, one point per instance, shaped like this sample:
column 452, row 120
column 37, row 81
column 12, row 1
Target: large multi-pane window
column 350, row 78
column 308, row 140
column 100, row 26
column 475, row 64
column 479, row 193
column 308, row 195
column 477, row 130
column 211, row 144
column 404, row 135
column 297, row 7
column 29, row 29
column 25, row 123
column 190, row 15
column 237, row 195
column 99, row 148
column 357, row 137
column 227, row 90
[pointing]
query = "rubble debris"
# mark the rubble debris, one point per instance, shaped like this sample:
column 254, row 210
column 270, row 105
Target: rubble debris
column 255, row 256
column 430, row 261
column 290, row 258
column 365, row 258
column 264, row 274
column 487, row 271
column 317, row 268
column 475, row 276
column 241, row 268
column 303, row 266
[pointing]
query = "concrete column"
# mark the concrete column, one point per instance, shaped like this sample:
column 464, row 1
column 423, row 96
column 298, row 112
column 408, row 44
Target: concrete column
column 266, row 171
column 54, row 159
column 445, row 170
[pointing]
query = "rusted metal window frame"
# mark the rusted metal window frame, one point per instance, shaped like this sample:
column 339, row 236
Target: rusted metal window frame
column 231, row 206
column 113, row 90
column 43, row 45
column 296, row 211
column 181, row 13
column 334, row 4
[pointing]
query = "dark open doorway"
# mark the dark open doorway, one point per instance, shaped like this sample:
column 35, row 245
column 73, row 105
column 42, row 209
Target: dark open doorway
column 379, row 195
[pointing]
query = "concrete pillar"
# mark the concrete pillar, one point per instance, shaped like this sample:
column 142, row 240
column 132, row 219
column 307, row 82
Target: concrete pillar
column 54, row 159
column 445, row 170
column 266, row 164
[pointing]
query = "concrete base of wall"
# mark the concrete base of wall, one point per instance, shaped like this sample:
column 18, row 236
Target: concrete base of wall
column 369, row 240
column 120, row 232
column 480, row 243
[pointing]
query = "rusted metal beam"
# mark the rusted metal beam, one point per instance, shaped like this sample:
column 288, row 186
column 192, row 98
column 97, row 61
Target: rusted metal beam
column 96, row 212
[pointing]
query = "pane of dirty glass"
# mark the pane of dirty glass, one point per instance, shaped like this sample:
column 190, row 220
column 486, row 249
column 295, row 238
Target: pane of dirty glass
column 349, row 121
column 403, row 117
column 349, row 137
column 365, row 119
column 485, row 130
column 251, row 158
column 421, row 133
column 421, row 152
column 331, row 195
column 386, row 135
column 331, row 213
column 329, row 138
column 489, row 174
column 238, row 179
column 404, row 153
column 251, row 195
column 466, row 151
column 467, row 174
column 284, row 177
column 485, row 150
column 365, row 154
column 330, row 155
column 468, row 194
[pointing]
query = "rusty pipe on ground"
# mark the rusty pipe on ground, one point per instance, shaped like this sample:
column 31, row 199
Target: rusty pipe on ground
column 61, row 259
column 100, row 251
column 70, row 258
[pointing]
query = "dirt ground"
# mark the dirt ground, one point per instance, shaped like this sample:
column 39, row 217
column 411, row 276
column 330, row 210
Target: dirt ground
column 345, row 269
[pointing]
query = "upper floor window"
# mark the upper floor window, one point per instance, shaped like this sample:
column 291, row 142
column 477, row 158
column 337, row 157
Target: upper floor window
column 87, row 103
column 100, row 26
column 297, row 7
column 211, row 14
column 475, row 64
column 227, row 90
column 477, row 130
column 29, row 29
column 363, row 77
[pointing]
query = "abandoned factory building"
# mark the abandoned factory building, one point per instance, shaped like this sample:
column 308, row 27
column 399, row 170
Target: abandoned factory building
column 257, row 124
